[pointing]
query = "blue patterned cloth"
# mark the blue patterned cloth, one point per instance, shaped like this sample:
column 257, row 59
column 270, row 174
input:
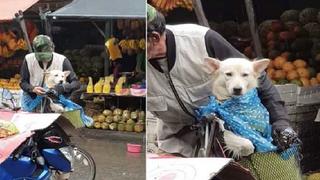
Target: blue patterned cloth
column 29, row 104
column 245, row 116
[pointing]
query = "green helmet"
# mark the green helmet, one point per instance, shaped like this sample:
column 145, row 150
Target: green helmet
column 151, row 13
column 43, row 48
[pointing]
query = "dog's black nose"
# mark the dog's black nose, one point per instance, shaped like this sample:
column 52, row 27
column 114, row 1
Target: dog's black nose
column 61, row 82
column 237, row 91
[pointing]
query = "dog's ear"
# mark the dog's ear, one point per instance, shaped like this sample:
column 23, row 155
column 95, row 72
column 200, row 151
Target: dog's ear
column 66, row 73
column 211, row 64
column 260, row 65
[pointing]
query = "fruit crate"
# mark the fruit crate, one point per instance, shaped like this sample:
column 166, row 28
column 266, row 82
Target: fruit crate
column 292, row 94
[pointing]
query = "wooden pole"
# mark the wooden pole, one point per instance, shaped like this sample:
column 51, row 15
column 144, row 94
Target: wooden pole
column 253, row 28
column 197, row 5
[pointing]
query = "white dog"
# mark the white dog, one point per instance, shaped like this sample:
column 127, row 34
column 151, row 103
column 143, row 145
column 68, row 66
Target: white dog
column 53, row 78
column 234, row 77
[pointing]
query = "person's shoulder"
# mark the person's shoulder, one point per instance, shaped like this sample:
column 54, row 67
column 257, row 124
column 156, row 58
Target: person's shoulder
column 187, row 28
column 61, row 56
column 28, row 56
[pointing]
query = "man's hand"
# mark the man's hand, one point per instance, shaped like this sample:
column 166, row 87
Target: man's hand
column 286, row 138
column 39, row 90
column 59, row 89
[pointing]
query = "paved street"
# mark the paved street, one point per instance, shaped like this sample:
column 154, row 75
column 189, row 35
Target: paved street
column 110, row 154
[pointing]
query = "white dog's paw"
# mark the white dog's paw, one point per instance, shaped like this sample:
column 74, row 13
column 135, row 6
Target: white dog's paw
column 56, row 108
column 239, row 146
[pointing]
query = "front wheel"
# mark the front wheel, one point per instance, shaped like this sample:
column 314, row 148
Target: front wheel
column 83, row 167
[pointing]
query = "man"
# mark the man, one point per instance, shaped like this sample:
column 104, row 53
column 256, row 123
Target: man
column 178, row 52
column 43, row 60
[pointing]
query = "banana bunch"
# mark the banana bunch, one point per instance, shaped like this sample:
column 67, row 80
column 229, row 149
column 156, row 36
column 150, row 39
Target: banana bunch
column 168, row 5
column 142, row 44
column 124, row 44
column 133, row 44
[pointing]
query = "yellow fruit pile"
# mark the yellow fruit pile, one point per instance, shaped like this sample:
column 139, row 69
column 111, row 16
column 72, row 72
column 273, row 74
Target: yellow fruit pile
column 120, row 120
column 9, row 43
column 282, row 71
column 168, row 5
column 12, row 83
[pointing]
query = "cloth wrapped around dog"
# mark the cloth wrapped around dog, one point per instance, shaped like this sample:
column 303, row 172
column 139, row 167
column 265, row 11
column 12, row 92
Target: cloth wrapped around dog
column 29, row 104
column 245, row 116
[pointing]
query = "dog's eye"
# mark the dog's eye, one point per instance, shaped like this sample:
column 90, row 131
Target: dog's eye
column 245, row 75
column 56, row 75
column 229, row 74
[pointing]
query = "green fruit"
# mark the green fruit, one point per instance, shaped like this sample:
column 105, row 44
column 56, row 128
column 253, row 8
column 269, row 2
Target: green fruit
column 104, row 125
column 130, row 121
column 101, row 118
column 117, row 118
column 107, row 112
column 129, row 127
column 139, row 127
column 113, row 126
column 109, row 119
column 97, row 125
column 296, row 81
column 121, row 127
column 283, row 81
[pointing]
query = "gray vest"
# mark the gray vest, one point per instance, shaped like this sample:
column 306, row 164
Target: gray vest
column 192, row 82
column 36, row 72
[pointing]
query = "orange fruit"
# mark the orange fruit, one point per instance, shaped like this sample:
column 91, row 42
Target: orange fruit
column 270, row 65
column 305, row 82
column 288, row 66
column 292, row 75
column 285, row 55
column 303, row 73
column 299, row 63
column 279, row 74
column 318, row 77
column 270, row 72
column 314, row 81
column 278, row 62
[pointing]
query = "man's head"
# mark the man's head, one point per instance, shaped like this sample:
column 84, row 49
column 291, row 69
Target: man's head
column 43, row 48
column 156, row 41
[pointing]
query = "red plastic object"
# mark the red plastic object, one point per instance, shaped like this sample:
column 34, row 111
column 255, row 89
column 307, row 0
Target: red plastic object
column 134, row 148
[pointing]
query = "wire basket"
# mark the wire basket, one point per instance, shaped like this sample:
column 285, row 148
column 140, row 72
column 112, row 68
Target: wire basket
column 271, row 166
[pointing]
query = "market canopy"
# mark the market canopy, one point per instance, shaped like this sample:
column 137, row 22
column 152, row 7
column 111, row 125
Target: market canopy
column 102, row 9
column 8, row 8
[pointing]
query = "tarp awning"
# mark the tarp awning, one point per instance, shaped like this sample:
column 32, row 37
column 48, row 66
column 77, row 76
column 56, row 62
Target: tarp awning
column 10, row 7
column 102, row 9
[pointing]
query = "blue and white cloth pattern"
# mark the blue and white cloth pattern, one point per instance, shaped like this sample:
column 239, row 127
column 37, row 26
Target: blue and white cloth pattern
column 29, row 104
column 245, row 116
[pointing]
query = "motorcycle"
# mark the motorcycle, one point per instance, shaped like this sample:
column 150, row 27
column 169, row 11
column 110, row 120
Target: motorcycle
column 46, row 152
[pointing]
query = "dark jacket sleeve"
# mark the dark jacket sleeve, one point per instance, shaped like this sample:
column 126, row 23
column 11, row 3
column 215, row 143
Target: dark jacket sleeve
column 25, row 76
column 73, row 83
column 219, row 48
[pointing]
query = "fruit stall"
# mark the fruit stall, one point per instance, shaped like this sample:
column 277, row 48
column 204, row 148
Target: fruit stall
column 288, row 33
column 109, row 59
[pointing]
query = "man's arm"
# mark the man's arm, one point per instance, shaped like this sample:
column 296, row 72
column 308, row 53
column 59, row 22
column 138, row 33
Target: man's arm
column 271, row 99
column 73, row 83
column 25, row 76
column 218, row 47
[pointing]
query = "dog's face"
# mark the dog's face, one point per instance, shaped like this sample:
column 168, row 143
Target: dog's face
column 235, row 76
column 56, row 77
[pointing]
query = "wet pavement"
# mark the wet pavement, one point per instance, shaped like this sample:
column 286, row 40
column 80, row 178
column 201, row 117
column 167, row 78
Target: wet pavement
column 110, row 154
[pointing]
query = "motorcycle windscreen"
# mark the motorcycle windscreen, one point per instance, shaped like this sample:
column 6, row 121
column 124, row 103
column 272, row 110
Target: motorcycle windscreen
column 56, row 159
